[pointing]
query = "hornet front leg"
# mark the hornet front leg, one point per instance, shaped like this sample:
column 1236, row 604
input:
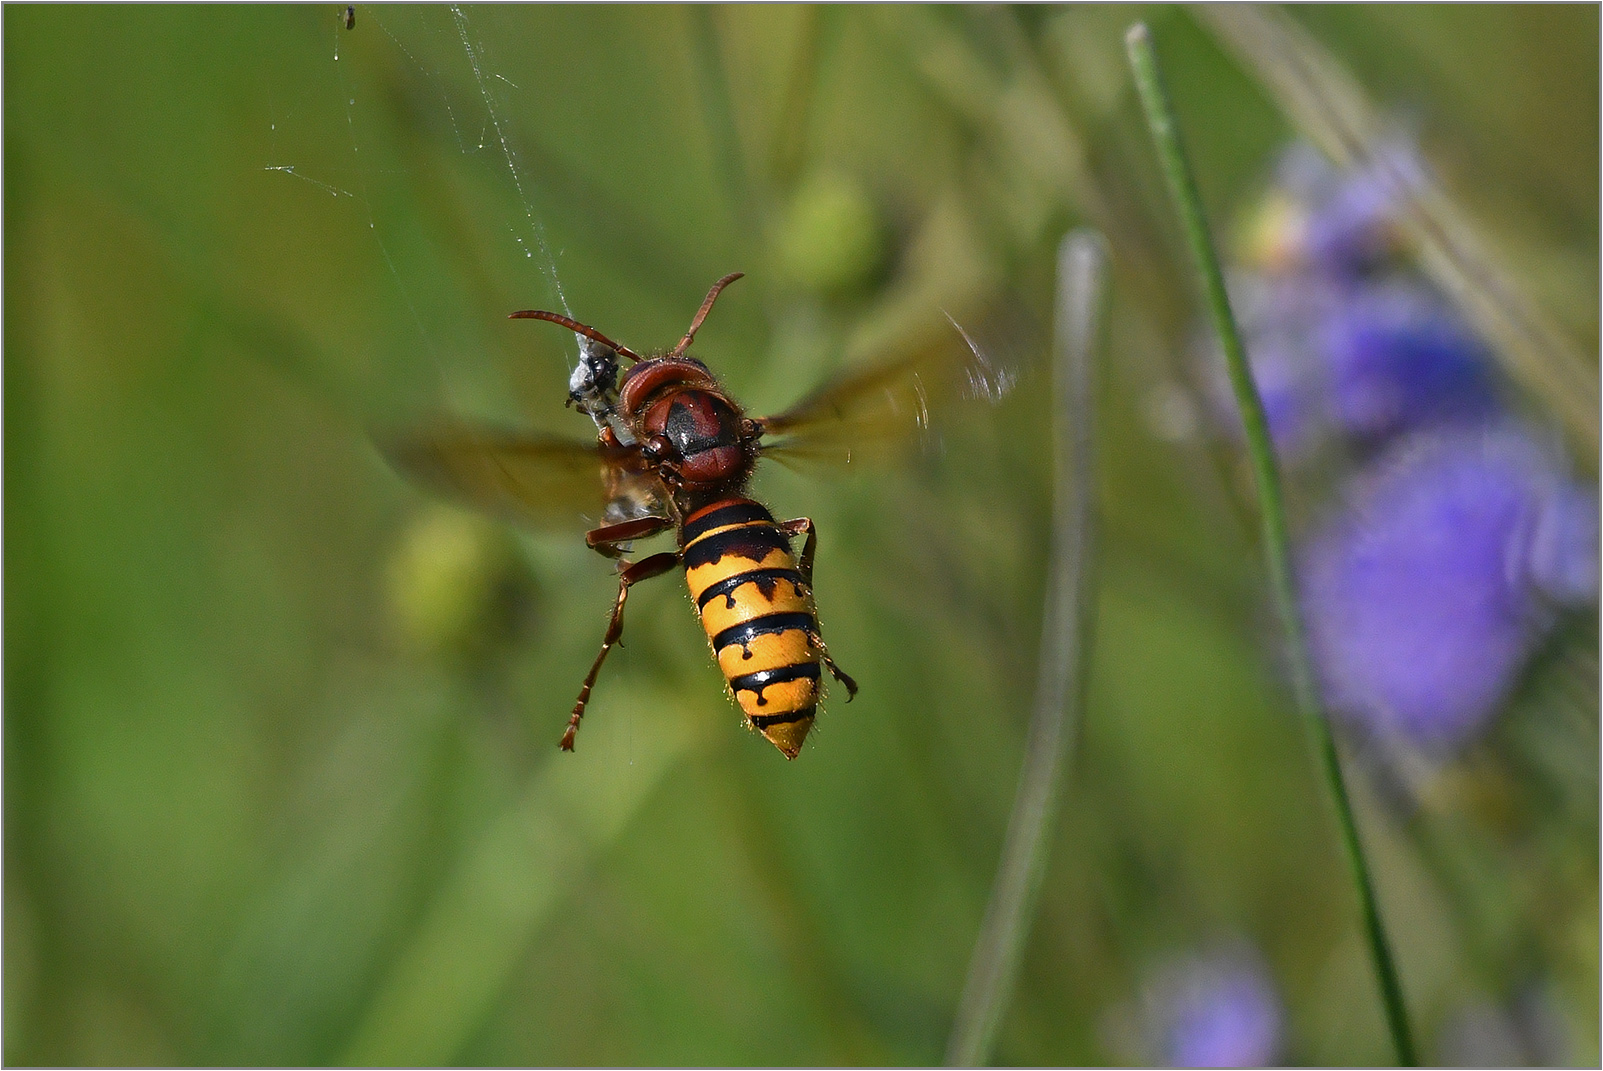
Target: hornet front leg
column 603, row 539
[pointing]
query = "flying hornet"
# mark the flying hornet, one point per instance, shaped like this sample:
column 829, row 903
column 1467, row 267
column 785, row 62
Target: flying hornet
column 674, row 451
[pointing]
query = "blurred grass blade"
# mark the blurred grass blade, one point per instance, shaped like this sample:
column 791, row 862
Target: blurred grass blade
column 799, row 101
column 1065, row 638
column 461, row 956
column 718, row 111
column 1323, row 101
column 1277, row 543
column 1007, row 103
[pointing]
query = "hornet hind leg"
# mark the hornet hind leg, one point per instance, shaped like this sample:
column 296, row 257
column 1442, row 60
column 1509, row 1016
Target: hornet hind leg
column 805, row 526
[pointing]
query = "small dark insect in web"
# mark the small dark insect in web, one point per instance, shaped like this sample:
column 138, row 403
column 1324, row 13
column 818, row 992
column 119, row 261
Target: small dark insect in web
column 350, row 16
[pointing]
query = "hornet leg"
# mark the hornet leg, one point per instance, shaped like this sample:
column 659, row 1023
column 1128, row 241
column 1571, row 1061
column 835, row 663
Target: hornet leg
column 644, row 569
column 805, row 526
column 605, row 540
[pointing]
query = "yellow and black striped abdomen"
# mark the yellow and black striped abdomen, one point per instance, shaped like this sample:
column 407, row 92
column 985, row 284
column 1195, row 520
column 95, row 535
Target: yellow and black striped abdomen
column 757, row 613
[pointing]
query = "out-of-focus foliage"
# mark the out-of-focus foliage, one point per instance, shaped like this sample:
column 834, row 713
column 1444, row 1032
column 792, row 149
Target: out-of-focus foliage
column 281, row 773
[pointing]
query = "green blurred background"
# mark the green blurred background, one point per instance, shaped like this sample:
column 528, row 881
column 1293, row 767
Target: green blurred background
column 281, row 783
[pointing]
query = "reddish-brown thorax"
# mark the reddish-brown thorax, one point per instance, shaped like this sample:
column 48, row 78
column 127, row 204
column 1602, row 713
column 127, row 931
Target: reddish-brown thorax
column 675, row 407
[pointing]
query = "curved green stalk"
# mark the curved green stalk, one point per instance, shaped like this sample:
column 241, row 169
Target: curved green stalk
column 1183, row 188
column 1065, row 640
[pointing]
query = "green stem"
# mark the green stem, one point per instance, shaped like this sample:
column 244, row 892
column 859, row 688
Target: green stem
column 1065, row 643
column 1183, row 188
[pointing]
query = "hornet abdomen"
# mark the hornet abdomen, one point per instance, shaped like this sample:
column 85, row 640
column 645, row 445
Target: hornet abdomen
column 758, row 613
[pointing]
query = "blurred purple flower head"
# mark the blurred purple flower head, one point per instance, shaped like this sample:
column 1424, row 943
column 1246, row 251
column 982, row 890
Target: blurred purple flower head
column 1564, row 545
column 1319, row 219
column 1424, row 598
column 1361, row 361
column 1279, row 317
column 1218, row 1009
column 1345, row 340
column 1399, row 357
column 1356, row 226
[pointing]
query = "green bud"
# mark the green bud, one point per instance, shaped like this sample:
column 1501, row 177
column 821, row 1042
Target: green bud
column 442, row 578
column 831, row 239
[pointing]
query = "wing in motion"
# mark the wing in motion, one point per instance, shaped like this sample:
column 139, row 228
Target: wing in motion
column 539, row 481
column 864, row 411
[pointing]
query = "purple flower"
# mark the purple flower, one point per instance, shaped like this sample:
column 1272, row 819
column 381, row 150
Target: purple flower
column 1219, row 1009
column 1345, row 341
column 1317, row 219
column 1355, row 225
column 1364, row 361
column 1564, row 545
column 1280, row 319
column 1400, row 357
column 1424, row 599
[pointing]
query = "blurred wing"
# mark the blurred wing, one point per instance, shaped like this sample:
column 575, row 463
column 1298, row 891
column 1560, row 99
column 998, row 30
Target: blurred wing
column 539, row 481
column 865, row 411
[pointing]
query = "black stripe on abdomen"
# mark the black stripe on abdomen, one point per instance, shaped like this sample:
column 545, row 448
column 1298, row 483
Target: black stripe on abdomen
column 763, row 578
column 763, row 721
column 752, row 541
column 738, row 512
column 743, row 633
column 756, row 682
